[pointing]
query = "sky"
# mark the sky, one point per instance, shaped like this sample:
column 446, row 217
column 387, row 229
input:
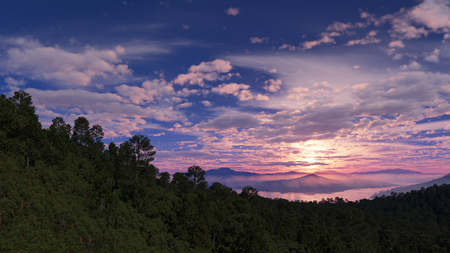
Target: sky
column 258, row 86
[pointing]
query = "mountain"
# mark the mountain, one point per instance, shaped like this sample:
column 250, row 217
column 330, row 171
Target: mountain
column 443, row 180
column 227, row 172
column 392, row 171
column 316, row 184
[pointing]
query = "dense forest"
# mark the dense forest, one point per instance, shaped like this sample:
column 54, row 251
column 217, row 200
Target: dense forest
column 61, row 190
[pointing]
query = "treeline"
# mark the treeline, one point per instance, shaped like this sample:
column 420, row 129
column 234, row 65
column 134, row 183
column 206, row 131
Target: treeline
column 61, row 190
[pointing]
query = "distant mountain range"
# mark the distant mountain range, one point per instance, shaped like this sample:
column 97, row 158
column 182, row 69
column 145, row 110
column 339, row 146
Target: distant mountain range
column 319, row 182
column 392, row 171
column 443, row 180
column 316, row 184
column 227, row 172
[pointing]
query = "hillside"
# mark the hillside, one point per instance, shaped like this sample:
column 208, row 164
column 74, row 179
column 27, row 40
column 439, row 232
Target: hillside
column 62, row 191
column 416, row 187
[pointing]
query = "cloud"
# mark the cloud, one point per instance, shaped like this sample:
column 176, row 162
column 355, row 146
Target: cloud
column 186, row 27
column 217, row 65
column 184, row 105
column 274, row 70
column 114, row 113
column 232, row 11
column 434, row 14
column 13, row 83
column 433, row 57
column 369, row 39
column 340, row 27
column 298, row 93
column 150, row 91
column 245, row 95
column 260, row 97
column 209, row 71
column 239, row 90
column 255, row 40
column 185, row 92
column 274, row 85
column 229, row 121
column 396, row 43
column 287, row 46
column 206, row 103
column 27, row 58
column 412, row 66
column 324, row 40
column 446, row 37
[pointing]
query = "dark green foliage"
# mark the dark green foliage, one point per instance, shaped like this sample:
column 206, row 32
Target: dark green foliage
column 59, row 186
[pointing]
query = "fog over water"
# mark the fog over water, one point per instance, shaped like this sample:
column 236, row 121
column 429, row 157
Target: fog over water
column 321, row 186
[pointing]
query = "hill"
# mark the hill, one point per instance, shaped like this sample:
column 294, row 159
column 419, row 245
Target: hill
column 316, row 184
column 404, row 189
column 391, row 171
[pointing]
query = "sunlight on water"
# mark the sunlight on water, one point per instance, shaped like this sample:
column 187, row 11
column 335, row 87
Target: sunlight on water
column 352, row 195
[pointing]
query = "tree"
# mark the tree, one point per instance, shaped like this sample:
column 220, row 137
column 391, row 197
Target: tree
column 197, row 176
column 22, row 98
column 81, row 130
column 60, row 126
column 249, row 191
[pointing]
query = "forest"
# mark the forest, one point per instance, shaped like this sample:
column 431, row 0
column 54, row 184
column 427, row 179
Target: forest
column 62, row 190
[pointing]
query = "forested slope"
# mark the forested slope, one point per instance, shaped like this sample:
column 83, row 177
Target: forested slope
column 62, row 191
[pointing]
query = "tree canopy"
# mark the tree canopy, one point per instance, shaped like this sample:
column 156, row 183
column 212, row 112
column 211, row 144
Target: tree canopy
column 62, row 191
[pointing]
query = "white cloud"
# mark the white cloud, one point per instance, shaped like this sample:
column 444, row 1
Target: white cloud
column 13, row 83
column 115, row 114
column 232, row 11
column 260, row 97
column 27, row 58
column 274, row 70
column 255, row 40
column 150, row 91
column 433, row 57
column 274, row 85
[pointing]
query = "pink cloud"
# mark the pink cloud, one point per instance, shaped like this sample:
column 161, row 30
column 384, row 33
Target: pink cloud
column 272, row 85
column 232, row 11
column 255, row 40
column 209, row 71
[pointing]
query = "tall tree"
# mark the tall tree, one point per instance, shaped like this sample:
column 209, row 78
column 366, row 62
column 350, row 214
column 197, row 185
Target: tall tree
column 81, row 130
column 197, row 176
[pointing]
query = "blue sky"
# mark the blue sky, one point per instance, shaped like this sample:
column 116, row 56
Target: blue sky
column 262, row 86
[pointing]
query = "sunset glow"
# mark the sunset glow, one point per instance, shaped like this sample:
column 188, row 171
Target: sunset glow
column 257, row 86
